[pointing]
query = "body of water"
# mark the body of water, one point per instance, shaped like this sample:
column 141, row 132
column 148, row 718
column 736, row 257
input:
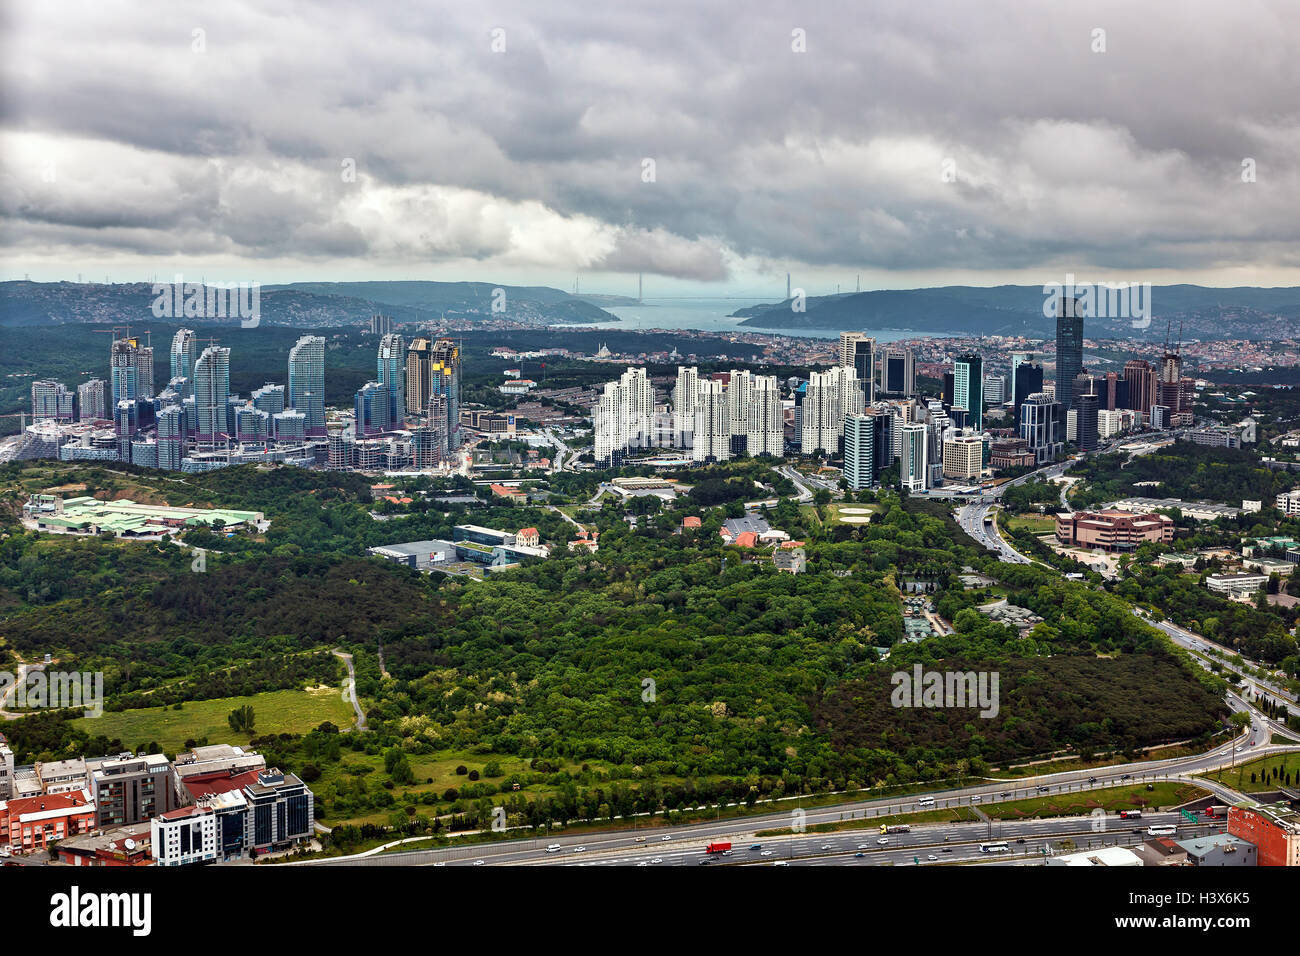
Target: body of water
column 713, row 315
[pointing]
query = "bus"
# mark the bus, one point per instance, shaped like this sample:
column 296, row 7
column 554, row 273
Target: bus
column 925, row 802
column 994, row 848
column 1167, row 829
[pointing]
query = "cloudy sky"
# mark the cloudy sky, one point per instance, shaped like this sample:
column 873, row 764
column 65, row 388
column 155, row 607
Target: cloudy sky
column 713, row 147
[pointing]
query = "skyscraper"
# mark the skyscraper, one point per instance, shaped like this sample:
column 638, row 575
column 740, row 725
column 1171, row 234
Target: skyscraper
column 858, row 352
column 968, row 388
column 444, row 380
column 307, row 382
column 1040, row 426
column 124, row 371
column 898, row 372
column 1069, row 347
column 184, row 351
column 913, row 469
column 1141, row 379
column 392, row 373
column 1029, row 379
column 212, row 395
column 417, row 376
column 859, row 451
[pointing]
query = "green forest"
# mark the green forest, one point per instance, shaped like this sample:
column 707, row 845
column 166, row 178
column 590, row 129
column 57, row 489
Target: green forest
column 662, row 668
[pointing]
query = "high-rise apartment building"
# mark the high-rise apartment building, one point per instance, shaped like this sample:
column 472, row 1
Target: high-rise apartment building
column 684, row 397
column 307, row 382
column 963, row 456
column 831, row 397
column 623, row 417
column 417, row 376
column 373, row 410
column 738, row 388
column 92, row 400
column 765, row 427
column 184, row 353
column 712, row 425
column 212, row 395
column 51, row 401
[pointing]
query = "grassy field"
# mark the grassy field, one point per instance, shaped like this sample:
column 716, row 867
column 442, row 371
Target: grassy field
column 1111, row 799
column 281, row 711
column 1036, row 524
column 1239, row 778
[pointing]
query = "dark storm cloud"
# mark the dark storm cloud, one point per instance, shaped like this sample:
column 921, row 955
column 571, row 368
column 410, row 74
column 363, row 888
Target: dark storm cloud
column 833, row 157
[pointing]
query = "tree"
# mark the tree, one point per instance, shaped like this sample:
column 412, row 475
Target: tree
column 242, row 720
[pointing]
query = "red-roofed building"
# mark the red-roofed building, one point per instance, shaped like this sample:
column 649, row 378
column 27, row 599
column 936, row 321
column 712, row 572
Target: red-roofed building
column 29, row 824
column 528, row 538
column 691, row 522
column 746, row 539
column 504, row 491
column 203, row 785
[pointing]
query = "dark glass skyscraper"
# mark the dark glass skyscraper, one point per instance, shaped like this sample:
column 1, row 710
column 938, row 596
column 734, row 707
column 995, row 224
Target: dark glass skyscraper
column 1069, row 348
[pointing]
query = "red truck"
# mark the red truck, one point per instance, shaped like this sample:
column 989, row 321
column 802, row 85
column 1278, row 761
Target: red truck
column 718, row 848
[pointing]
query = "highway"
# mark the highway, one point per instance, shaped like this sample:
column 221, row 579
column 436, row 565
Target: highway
column 685, row 842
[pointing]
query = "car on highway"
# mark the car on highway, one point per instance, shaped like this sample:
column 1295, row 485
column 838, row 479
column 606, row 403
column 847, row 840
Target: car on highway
column 1005, row 793
column 780, row 863
column 883, row 841
column 665, row 838
column 932, row 857
column 864, row 846
column 858, row 856
column 640, row 839
column 1092, row 779
column 827, row 846
column 947, row 849
column 644, row 863
column 657, row 860
column 579, row 849
column 553, row 848
column 1127, row 776
column 766, row 853
column 478, row 862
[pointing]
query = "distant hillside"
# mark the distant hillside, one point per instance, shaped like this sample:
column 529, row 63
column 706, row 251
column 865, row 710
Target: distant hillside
column 1246, row 312
column 302, row 304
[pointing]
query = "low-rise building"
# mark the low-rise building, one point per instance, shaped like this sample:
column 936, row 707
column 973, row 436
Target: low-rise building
column 1289, row 502
column 1220, row 849
column 120, row 846
column 30, row 824
column 1112, row 530
column 1235, row 583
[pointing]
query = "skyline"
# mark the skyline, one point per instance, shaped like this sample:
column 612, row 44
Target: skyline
column 132, row 146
